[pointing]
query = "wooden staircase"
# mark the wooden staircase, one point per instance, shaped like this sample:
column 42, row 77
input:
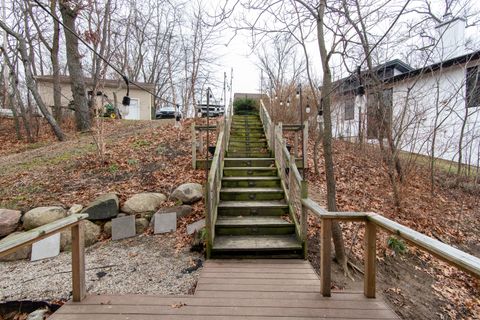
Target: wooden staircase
column 253, row 217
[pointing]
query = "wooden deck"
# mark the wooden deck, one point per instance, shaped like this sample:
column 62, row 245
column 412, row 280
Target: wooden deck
column 237, row 289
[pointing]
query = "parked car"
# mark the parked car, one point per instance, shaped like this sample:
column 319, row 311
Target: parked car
column 165, row 112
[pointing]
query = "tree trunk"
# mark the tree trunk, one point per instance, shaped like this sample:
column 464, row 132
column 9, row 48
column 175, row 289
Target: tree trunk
column 79, row 92
column 57, row 87
column 31, row 85
column 327, row 140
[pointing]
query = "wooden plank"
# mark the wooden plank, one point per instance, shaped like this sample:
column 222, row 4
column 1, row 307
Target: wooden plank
column 139, row 300
column 325, row 257
column 256, row 288
column 287, row 282
column 258, row 261
column 226, row 311
column 281, row 295
column 194, row 147
column 321, row 212
column 25, row 238
column 211, row 265
column 78, row 262
column 174, row 317
column 370, row 259
column 257, row 242
column 451, row 255
column 226, row 276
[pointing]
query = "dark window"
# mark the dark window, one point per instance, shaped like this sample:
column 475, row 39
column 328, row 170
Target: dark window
column 349, row 109
column 473, row 87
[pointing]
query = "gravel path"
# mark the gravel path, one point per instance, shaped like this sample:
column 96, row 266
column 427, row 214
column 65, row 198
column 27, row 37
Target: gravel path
column 142, row 265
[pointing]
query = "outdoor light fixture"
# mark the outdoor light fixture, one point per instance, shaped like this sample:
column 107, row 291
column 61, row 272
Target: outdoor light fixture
column 298, row 92
column 126, row 99
column 307, row 109
column 281, row 103
column 288, row 102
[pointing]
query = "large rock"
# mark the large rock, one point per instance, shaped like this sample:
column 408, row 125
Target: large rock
column 141, row 225
column 21, row 253
column 92, row 232
column 143, row 202
column 76, row 208
column 107, row 228
column 103, row 207
column 188, row 193
column 42, row 215
column 9, row 221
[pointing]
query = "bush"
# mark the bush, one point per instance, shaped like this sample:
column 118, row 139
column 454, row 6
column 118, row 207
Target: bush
column 245, row 106
column 397, row 245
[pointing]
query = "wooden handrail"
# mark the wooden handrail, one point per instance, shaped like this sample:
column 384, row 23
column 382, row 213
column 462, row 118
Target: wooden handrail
column 445, row 252
column 74, row 222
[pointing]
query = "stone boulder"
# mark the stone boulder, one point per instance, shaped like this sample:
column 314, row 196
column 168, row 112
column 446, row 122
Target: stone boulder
column 107, row 228
column 143, row 202
column 42, row 215
column 76, row 208
column 141, row 225
column 92, row 232
column 9, row 221
column 188, row 193
column 20, row 253
column 103, row 207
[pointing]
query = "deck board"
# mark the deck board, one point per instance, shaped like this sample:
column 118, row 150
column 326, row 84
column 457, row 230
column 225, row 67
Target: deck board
column 236, row 289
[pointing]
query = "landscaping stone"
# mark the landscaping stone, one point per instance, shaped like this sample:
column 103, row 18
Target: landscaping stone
column 165, row 222
column 123, row 227
column 141, row 225
column 9, row 221
column 39, row 314
column 103, row 207
column 76, row 208
column 42, row 215
column 188, row 193
column 107, row 228
column 181, row 211
column 46, row 248
column 92, row 232
column 20, row 253
column 196, row 226
column 143, row 202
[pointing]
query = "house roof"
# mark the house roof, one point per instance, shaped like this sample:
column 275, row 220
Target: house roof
column 105, row 82
column 460, row 60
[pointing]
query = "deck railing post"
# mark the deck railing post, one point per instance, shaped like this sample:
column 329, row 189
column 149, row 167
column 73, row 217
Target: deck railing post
column 305, row 146
column 194, row 147
column 78, row 262
column 326, row 257
column 370, row 259
column 304, row 214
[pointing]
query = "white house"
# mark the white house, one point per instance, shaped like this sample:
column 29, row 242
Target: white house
column 141, row 102
column 434, row 109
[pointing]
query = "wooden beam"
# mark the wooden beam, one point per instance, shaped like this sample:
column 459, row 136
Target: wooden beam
column 324, row 214
column 78, row 262
column 370, row 259
column 305, row 145
column 449, row 254
column 204, row 128
column 25, row 238
column 194, row 147
column 326, row 257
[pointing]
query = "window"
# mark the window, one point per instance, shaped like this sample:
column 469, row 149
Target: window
column 473, row 87
column 349, row 109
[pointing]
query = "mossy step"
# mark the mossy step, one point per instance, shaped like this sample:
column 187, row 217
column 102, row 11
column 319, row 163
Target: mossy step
column 249, row 171
column 251, row 182
column 249, row 162
column 250, row 144
column 253, row 225
column 266, row 243
column 251, row 194
column 248, row 154
column 252, row 208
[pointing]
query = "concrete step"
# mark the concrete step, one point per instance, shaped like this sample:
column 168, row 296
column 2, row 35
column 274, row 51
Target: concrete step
column 249, row 171
column 253, row 182
column 249, row 162
column 251, row 194
column 252, row 208
column 253, row 225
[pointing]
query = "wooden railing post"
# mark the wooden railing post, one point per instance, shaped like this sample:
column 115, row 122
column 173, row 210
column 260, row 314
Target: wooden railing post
column 304, row 216
column 326, row 257
column 78, row 262
column 194, row 147
column 295, row 144
column 370, row 259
